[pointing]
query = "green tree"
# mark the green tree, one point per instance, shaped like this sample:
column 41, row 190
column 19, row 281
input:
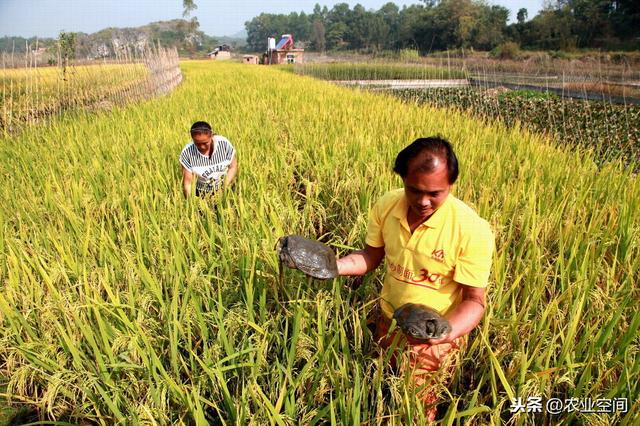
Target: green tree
column 335, row 35
column 318, row 38
column 450, row 24
column 551, row 29
column 444, row 24
column 490, row 27
column 378, row 31
column 390, row 14
column 299, row 25
column 338, row 21
column 367, row 29
column 522, row 16
column 625, row 21
column 589, row 19
column 417, row 28
column 263, row 26
column 67, row 44
column 358, row 32
column 319, row 13
column 188, row 7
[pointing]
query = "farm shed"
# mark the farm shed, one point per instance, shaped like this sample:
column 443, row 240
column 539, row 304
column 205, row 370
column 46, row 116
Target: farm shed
column 250, row 59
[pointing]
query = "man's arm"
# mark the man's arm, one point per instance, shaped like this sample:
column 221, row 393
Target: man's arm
column 362, row 261
column 231, row 172
column 187, row 177
column 466, row 316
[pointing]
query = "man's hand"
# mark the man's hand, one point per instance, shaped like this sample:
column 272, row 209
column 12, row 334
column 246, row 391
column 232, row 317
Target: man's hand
column 466, row 316
column 444, row 339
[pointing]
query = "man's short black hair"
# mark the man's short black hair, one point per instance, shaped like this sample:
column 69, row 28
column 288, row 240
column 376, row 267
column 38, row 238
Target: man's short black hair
column 200, row 127
column 425, row 152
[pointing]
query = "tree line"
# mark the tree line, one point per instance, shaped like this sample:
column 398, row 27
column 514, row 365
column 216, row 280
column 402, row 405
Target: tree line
column 183, row 34
column 452, row 24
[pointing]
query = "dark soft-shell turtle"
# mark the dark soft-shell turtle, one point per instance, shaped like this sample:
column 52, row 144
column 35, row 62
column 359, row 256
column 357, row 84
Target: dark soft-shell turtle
column 309, row 256
column 421, row 322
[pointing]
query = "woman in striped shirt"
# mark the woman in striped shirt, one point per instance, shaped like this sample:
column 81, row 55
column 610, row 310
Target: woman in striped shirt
column 210, row 158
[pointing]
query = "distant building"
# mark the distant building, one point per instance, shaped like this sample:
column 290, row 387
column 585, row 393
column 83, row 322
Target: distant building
column 250, row 59
column 283, row 52
column 220, row 53
column 39, row 51
column 288, row 56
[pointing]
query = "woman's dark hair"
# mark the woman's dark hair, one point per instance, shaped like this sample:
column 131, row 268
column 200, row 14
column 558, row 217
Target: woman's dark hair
column 423, row 153
column 200, row 127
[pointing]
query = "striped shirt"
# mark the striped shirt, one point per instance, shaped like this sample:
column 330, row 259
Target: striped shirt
column 210, row 171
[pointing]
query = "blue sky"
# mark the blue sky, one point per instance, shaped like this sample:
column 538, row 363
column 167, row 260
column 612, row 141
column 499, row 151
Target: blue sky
column 46, row 18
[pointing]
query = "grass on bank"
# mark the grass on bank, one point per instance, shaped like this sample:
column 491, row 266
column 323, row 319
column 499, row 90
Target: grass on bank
column 378, row 71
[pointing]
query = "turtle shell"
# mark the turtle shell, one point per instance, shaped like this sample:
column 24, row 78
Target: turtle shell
column 309, row 256
column 421, row 322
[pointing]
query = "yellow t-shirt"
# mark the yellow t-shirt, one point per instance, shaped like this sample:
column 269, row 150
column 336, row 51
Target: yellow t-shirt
column 454, row 246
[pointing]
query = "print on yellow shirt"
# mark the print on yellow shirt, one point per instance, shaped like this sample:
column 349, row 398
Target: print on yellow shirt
column 454, row 246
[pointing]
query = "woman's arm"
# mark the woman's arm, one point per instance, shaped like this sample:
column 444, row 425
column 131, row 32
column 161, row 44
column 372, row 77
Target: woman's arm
column 231, row 173
column 187, row 177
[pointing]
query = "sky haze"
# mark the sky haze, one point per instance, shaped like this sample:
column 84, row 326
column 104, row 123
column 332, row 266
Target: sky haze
column 46, row 18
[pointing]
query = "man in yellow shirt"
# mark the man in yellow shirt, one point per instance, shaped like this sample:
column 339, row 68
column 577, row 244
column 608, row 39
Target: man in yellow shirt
column 438, row 253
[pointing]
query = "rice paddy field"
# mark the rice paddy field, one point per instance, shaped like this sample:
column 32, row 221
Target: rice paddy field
column 32, row 94
column 123, row 303
column 28, row 94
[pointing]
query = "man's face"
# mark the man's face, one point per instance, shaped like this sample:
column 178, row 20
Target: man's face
column 202, row 142
column 426, row 191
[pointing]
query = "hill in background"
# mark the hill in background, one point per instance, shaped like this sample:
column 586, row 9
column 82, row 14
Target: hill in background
column 182, row 34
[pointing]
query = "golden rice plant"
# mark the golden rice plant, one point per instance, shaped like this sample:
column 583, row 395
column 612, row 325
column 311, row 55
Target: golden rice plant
column 31, row 94
column 121, row 302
